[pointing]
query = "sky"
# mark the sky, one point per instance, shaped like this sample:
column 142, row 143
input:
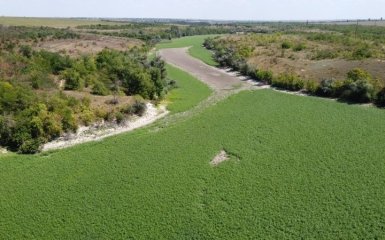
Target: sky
column 198, row 9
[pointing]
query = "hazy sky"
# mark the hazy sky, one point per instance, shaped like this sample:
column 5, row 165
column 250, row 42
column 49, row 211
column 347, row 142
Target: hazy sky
column 202, row 9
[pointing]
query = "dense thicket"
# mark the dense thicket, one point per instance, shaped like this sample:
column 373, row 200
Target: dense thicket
column 33, row 107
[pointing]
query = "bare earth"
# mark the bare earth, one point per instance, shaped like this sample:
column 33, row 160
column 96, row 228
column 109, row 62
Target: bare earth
column 218, row 159
column 217, row 79
column 87, row 44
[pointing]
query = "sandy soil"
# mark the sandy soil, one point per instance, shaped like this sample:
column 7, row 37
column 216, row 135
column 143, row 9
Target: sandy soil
column 101, row 131
column 217, row 79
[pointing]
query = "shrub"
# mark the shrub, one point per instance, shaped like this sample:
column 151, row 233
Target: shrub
column 311, row 86
column 289, row 82
column 362, row 53
column 87, row 117
column 286, row 45
column 325, row 54
column 360, row 91
column 30, row 146
column 119, row 117
column 138, row 108
column 380, row 98
column 326, row 88
column 26, row 51
column 73, row 81
column 299, row 47
column 99, row 89
column 358, row 74
column 264, row 76
column 358, row 87
column 68, row 120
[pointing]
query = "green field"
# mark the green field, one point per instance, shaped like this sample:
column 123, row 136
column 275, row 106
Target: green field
column 197, row 50
column 301, row 167
column 49, row 22
column 188, row 93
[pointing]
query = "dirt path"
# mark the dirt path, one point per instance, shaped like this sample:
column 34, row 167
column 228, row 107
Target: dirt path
column 217, row 79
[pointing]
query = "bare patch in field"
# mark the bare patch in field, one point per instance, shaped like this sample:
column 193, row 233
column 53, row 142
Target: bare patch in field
column 220, row 158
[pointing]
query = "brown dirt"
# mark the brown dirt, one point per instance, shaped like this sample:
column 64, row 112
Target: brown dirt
column 102, row 102
column 87, row 44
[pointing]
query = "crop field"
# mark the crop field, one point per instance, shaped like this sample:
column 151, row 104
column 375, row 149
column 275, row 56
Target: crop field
column 300, row 167
column 49, row 22
column 187, row 94
column 197, row 50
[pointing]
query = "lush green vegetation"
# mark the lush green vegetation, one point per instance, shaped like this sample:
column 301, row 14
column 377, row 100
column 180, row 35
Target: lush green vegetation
column 197, row 50
column 187, row 93
column 298, row 170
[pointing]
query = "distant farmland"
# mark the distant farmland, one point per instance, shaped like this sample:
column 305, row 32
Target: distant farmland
column 49, row 22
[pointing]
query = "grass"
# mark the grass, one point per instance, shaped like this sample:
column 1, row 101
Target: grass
column 197, row 50
column 48, row 22
column 307, row 168
column 189, row 91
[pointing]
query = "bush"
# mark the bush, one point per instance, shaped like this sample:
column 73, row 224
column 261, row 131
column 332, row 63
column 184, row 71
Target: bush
column 358, row 74
column 325, row 54
column 299, row 47
column 26, row 51
column 119, row 117
column 326, row 88
column 30, row 146
column 138, row 108
column 358, row 87
column 380, row 98
column 286, row 45
column 311, row 86
column 99, row 89
column 362, row 53
column 264, row 76
column 360, row 91
column 87, row 117
column 289, row 82
column 73, row 81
